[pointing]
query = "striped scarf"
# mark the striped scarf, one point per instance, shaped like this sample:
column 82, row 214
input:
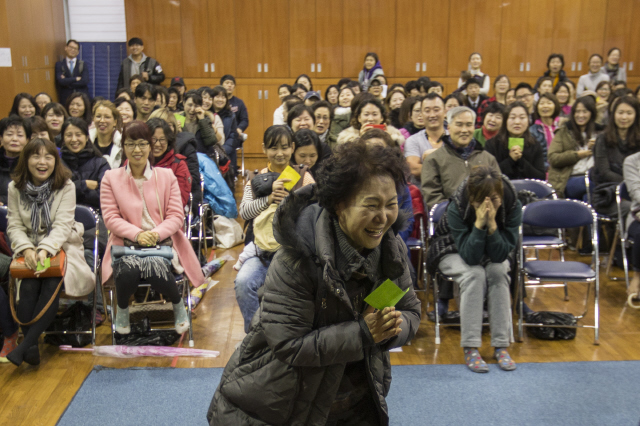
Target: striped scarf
column 38, row 199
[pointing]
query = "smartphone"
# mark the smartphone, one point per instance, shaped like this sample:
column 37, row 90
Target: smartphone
column 382, row 127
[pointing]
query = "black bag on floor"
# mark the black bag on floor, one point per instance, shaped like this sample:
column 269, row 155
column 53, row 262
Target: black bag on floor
column 141, row 335
column 76, row 317
column 552, row 318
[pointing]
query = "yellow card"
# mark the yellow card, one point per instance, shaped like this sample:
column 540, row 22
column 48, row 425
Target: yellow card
column 289, row 173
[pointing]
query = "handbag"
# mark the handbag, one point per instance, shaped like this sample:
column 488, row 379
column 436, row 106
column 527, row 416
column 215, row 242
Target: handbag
column 552, row 318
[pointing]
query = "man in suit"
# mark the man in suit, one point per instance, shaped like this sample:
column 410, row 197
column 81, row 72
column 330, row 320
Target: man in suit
column 72, row 74
column 139, row 63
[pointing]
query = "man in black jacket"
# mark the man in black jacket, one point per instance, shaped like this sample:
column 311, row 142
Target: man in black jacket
column 139, row 63
column 72, row 74
column 242, row 116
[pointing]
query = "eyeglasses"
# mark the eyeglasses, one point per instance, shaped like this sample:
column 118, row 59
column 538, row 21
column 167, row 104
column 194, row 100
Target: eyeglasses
column 133, row 146
column 161, row 141
column 520, row 98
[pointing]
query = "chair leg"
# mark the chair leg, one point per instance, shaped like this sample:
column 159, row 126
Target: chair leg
column 112, row 298
column 625, row 263
column 95, row 310
column 189, row 305
column 520, row 302
column 614, row 244
column 566, row 284
column 597, row 312
column 435, row 308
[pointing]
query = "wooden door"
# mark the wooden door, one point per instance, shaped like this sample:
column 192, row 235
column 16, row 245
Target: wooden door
column 22, row 54
column 488, row 22
column 632, row 55
column 140, row 23
column 22, row 79
column 513, row 38
column 302, row 30
column 566, row 23
column 168, row 36
column 462, row 30
column 539, row 36
column 382, row 33
column 248, row 34
column 435, row 38
column 409, row 23
column 222, row 47
column 42, row 80
column 253, row 97
column 355, row 31
column 591, row 32
column 275, row 38
column 195, row 38
column 271, row 102
column 43, row 48
column 329, row 39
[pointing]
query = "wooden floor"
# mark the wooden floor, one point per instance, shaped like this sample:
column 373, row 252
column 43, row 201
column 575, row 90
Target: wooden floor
column 39, row 395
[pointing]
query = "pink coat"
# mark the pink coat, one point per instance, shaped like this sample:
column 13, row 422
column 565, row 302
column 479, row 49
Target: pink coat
column 122, row 213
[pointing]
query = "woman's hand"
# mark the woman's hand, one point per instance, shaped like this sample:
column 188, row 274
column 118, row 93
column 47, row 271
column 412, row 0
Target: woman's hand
column 147, row 238
column 515, row 153
column 41, row 257
column 278, row 192
column 482, row 214
column 91, row 184
column 383, row 324
column 584, row 153
column 492, row 226
column 200, row 112
column 30, row 259
column 592, row 143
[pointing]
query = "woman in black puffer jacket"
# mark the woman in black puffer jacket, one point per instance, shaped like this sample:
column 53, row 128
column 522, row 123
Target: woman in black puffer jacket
column 316, row 353
column 222, row 107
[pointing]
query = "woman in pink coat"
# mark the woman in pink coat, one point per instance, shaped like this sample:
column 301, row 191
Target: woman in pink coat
column 132, row 198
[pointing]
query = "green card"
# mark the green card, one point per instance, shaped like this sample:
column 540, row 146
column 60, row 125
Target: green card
column 516, row 142
column 385, row 296
column 47, row 264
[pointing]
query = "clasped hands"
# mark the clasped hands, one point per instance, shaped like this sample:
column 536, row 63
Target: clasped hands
column 148, row 238
column 31, row 259
column 486, row 215
column 383, row 324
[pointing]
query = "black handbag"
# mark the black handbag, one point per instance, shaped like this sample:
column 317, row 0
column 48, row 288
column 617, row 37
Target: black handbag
column 552, row 318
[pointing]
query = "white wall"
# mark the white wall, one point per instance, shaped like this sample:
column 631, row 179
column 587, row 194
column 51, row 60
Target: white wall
column 91, row 20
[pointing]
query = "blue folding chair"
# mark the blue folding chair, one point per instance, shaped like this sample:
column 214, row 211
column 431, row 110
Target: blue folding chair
column 435, row 214
column 560, row 214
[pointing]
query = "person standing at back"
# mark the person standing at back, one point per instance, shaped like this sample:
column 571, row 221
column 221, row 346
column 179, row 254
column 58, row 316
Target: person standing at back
column 237, row 106
column 139, row 63
column 72, row 74
column 555, row 65
column 590, row 81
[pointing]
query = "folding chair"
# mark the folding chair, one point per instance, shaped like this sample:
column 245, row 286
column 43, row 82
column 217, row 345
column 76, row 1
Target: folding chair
column 419, row 245
column 89, row 219
column 543, row 190
column 602, row 218
column 204, row 210
column 241, row 149
column 560, row 214
column 435, row 214
column 621, row 194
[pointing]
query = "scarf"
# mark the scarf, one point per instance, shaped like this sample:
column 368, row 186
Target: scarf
column 487, row 134
column 548, row 130
column 38, row 199
column 369, row 73
column 464, row 152
column 611, row 70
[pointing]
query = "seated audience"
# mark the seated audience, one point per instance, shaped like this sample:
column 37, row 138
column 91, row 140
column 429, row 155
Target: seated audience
column 129, row 213
column 331, row 95
column 299, row 90
column 603, row 99
column 134, row 82
column 453, row 100
column 222, row 108
column 311, row 98
column 145, row 100
column 305, row 80
column 278, row 145
column 436, row 87
column 174, row 102
column 546, row 123
column 341, row 116
column 39, row 128
column 612, row 67
column 106, row 133
column 79, row 105
column 284, row 92
column 124, row 93
column 393, row 102
column 342, row 373
column 84, row 160
column 370, row 112
column 40, row 222
column 163, row 97
column 590, row 81
column 631, row 173
column 207, row 127
column 411, row 117
column 563, row 94
column 472, row 245
column 323, row 113
column 308, row 150
column 375, row 88
column 474, row 97
column 15, row 133
column 425, row 142
column 571, row 151
column 411, row 88
column 24, row 106
column 55, row 115
column 501, row 87
column 491, row 123
column 555, row 65
column 517, row 161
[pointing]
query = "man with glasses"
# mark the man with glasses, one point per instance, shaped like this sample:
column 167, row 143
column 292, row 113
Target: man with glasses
column 72, row 74
column 524, row 94
column 145, row 98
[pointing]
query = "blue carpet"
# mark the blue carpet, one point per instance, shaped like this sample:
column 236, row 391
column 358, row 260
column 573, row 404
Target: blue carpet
column 571, row 393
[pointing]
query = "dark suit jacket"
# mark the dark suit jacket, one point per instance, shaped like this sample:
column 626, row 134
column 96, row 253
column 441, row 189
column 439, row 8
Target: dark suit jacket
column 66, row 83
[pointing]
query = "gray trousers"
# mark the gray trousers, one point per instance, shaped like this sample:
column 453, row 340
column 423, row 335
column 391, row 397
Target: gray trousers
column 475, row 283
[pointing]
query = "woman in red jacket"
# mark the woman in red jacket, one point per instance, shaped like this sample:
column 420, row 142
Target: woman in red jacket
column 163, row 141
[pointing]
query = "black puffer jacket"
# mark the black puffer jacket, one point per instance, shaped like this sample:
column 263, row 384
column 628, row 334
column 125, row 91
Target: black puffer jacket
column 85, row 165
column 5, row 177
column 288, row 368
column 186, row 145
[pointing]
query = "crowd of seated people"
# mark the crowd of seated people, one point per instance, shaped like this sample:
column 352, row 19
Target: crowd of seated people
column 470, row 141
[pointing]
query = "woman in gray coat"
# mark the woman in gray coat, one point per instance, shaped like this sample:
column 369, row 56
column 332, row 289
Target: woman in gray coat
column 316, row 353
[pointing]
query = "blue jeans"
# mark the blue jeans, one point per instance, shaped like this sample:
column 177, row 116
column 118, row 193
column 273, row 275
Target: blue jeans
column 248, row 281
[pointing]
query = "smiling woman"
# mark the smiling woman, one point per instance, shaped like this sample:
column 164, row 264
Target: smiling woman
column 54, row 114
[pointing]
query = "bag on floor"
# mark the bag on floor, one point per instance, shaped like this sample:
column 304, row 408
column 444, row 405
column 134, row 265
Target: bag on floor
column 216, row 191
column 228, row 232
column 76, row 317
column 552, row 318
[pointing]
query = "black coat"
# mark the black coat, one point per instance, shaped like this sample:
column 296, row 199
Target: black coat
column 186, row 145
column 67, row 82
column 529, row 166
column 85, row 165
column 150, row 65
column 290, row 365
column 240, row 110
column 231, row 137
column 5, row 177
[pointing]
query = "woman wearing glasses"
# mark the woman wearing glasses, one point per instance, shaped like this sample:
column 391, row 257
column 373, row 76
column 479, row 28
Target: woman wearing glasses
column 142, row 203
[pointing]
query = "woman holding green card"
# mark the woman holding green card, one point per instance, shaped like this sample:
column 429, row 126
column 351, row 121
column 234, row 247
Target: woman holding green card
column 518, row 154
column 317, row 353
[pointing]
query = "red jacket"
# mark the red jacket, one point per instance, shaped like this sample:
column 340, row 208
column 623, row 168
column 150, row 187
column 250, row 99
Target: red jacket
column 177, row 163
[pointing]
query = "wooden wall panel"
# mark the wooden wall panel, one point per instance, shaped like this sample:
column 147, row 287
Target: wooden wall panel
column 488, row 15
column 7, row 88
column 410, row 21
column 462, row 23
column 222, row 28
column 382, row 31
column 566, row 23
column 59, row 30
column 140, row 23
column 591, row 31
column 252, row 95
column 539, row 36
column 248, row 43
column 435, row 38
column 632, row 55
column 329, row 40
column 302, row 45
column 275, row 37
column 195, row 24
column 513, row 38
column 355, row 30
column 168, row 37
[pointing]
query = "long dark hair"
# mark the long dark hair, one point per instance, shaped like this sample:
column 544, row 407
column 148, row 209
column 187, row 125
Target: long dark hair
column 84, row 128
column 590, row 104
column 406, row 109
column 21, row 174
column 88, row 113
column 633, row 134
column 308, row 78
column 16, row 103
column 306, row 137
column 502, row 138
column 364, row 101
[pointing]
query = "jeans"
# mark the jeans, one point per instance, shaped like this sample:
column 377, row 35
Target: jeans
column 576, row 188
column 248, row 281
column 475, row 283
column 233, row 156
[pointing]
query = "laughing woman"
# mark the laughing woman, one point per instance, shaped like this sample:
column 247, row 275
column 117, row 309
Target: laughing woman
column 42, row 203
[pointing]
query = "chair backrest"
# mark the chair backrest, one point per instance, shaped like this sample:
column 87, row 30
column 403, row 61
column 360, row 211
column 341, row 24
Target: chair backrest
column 3, row 219
column 558, row 214
column 435, row 214
column 623, row 192
column 85, row 216
column 541, row 188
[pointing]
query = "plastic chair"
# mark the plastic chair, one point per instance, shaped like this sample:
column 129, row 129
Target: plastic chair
column 560, row 214
column 89, row 219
